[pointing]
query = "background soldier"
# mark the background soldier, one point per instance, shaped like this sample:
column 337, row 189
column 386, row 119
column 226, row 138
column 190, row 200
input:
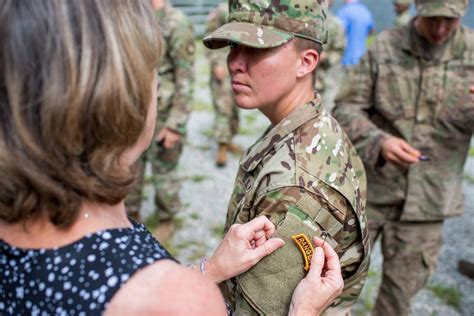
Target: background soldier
column 303, row 173
column 330, row 58
column 174, row 106
column 408, row 109
column 226, row 121
column 402, row 11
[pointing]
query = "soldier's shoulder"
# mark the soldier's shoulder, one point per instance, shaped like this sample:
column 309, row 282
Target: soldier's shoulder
column 389, row 41
column 323, row 152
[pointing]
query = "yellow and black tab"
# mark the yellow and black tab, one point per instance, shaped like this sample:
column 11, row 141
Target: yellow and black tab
column 306, row 248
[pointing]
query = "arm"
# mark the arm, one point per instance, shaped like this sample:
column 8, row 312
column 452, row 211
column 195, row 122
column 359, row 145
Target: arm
column 294, row 211
column 166, row 288
column 181, row 50
column 355, row 99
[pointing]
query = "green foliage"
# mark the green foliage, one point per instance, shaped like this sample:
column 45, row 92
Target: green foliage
column 151, row 222
column 250, row 118
column 196, row 255
column 471, row 152
column 373, row 274
column 248, row 130
column 468, row 178
column 203, row 147
column 199, row 105
column 449, row 295
column 171, row 248
column 195, row 216
column 186, row 244
column 199, row 178
column 178, row 222
column 217, row 231
column 207, row 132
column 148, row 180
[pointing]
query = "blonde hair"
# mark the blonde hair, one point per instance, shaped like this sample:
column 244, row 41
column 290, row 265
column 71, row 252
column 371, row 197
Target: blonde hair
column 74, row 93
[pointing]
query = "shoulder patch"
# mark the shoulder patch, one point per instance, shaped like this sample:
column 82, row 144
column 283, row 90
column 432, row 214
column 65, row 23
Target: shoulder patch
column 306, row 248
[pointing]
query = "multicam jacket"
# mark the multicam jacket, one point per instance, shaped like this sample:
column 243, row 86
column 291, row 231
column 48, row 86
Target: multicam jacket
column 403, row 90
column 305, row 175
column 176, row 69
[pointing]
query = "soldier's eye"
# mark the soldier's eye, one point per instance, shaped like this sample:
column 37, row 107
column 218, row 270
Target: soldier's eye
column 233, row 45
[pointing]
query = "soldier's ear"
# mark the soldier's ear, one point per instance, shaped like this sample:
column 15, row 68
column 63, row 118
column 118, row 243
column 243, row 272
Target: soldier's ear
column 309, row 59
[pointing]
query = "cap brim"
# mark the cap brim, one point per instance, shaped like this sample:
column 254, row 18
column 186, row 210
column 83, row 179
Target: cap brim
column 248, row 34
column 427, row 10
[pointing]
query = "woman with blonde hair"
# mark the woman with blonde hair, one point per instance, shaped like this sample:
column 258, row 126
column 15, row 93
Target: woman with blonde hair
column 77, row 109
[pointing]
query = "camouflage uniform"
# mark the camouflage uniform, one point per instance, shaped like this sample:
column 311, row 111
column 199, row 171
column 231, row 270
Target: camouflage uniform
column 303, row 173
column 174, row 106
column 401, row 89
column 226, row 123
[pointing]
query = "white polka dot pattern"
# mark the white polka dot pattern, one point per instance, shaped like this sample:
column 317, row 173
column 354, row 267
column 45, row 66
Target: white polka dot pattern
column 77, row 279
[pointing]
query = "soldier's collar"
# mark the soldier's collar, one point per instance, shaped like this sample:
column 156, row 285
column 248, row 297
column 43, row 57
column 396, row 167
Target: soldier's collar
column 274, row 134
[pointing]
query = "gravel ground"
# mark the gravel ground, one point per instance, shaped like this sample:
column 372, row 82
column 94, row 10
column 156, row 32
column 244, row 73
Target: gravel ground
column 206, row 191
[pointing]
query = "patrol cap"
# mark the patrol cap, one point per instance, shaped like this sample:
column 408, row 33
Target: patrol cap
column 444, row 8
column 270, row 23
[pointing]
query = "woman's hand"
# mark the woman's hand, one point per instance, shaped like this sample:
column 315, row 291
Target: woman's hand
column 322, row 284
column 242, row 247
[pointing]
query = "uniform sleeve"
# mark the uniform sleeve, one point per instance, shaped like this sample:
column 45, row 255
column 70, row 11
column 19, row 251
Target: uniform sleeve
column 354, row 103
column 181, row 50
column 268, row 287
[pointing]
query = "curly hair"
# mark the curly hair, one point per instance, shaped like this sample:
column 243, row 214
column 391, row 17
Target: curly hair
column 74, row 93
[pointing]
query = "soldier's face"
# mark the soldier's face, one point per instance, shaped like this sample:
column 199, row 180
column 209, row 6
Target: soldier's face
column 262, row 78
column 436, row 30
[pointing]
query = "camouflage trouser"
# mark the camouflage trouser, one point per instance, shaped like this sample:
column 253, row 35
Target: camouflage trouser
column 226, row 121
column 164, row 180
column 410, row 254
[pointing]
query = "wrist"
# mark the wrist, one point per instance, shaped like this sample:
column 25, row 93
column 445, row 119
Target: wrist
column 212, row 272
column 299, row 311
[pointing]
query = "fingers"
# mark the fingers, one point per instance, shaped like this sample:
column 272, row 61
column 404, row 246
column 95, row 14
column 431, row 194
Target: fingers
column 407, row 153
column 260, row 223
column 317, row 263
column 331, row 257
column 267, row 248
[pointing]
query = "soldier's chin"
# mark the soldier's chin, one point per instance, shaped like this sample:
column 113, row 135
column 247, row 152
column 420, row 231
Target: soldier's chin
column 243, row 103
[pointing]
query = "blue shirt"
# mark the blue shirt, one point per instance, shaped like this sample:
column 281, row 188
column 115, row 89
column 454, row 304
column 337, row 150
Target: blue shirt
column 358, row 22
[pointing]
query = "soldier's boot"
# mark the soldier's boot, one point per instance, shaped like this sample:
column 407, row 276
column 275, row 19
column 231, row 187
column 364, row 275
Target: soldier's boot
column 235, row 149
column 221, row 158
column 164, row 231
column 466, row 268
